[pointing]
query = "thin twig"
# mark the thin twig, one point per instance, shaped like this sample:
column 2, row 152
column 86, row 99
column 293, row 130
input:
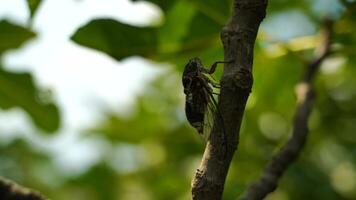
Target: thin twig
column 290, row 151
column 12, row 191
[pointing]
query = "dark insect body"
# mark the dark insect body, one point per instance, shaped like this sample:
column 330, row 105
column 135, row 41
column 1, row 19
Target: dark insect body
column 200, row 106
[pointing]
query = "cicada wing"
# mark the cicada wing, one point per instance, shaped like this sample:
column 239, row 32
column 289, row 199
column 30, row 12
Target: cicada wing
column 212, row 115
column 209, row 116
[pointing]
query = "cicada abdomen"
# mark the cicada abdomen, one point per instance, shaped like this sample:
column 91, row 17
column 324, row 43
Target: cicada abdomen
column 195, row 109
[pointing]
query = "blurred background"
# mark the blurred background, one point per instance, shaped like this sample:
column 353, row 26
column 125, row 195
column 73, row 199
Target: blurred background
column 92, row 107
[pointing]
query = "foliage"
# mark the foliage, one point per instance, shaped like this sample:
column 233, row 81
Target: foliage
column 18, row 89
column 163, row 150
column 33, row 6
column 13, row 36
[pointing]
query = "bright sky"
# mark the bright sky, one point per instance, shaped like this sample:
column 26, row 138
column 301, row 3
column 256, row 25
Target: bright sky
column 83, row 81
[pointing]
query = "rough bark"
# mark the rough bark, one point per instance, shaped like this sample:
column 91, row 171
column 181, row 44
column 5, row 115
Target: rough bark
column 11, row 191
column 238, row 38
column 288, row 154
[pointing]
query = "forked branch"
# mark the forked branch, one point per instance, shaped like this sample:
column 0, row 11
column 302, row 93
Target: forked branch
column 290, row 151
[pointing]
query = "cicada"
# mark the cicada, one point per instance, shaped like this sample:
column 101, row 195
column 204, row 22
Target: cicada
column 200, row 104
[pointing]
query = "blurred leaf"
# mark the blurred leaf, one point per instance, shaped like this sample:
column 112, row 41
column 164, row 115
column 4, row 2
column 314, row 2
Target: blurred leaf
column 219, row 11
column 203, row 33
column 201, row 39
column 216, row 10
column 117, row 39
column 178, row 39
column 345, row 32
column 18, row 90
column 283, row 5
column 33, row 5
column 18, row 157
column 175, row 27
column 100, row 182
column 13, row 36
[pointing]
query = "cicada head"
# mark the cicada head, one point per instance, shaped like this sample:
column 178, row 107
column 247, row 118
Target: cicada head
column 193, row 66
column 191, row 70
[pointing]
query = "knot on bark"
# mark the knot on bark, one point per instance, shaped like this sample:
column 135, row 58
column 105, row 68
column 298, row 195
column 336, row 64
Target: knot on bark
column 240, row 80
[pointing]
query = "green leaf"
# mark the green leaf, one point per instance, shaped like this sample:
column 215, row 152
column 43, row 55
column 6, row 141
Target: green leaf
column 18, row 90
column 191, row 35
column 219, row 11
column 179, row 38
column 201, row 39
column 117, row 39
column 33, row 5
column 282, row 5
column 175, row 28
column 13, row 36
column 203, row 32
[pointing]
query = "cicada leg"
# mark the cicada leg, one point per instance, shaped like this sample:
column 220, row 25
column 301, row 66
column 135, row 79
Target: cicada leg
column 215, row 85
column 211, row 71
column 215, row 64
column 212, row 82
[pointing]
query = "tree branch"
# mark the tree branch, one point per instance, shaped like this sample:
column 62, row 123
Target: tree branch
column 290, row 151
column 11, row 191
column 238, row 38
